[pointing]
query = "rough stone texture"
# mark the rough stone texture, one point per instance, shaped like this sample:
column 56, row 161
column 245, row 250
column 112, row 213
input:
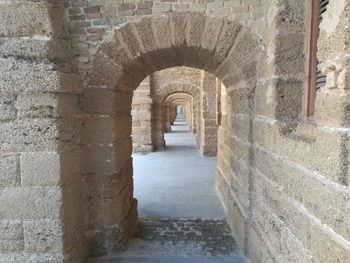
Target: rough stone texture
column 142, row 118
column 207, row 135
column 77, row 103
column 11, row 235
column 10, row 175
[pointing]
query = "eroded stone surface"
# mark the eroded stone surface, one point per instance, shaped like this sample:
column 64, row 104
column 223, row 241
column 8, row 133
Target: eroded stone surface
column 284, row 182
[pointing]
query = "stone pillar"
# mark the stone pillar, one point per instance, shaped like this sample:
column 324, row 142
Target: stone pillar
column 218, row 102
column 111, row 215
column 194, row 115
column 208, row 134
column 173, row 114
column 41, row 210
column 142, row 115
column 157, row 127
column 189, row 115
column 167, row 113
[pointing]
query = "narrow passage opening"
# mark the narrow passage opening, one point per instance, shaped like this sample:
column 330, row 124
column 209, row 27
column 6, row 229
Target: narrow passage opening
column 180, row 214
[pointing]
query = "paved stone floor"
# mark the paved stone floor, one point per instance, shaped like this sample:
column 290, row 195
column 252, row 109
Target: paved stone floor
column 167, row 240
column 181, row 217
column 186, row 237
column 177, row 182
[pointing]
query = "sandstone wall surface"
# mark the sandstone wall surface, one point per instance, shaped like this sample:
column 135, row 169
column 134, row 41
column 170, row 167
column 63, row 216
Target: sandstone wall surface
column 68, row 72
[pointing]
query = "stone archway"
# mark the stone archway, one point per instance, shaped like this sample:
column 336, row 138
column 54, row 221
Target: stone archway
column 121, row 63
column 169, row 110
column 158, row 100
column 269, row 152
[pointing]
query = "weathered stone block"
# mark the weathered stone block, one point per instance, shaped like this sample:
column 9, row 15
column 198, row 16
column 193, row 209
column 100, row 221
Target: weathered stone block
column 257, row 249
column 40, row 169
column 11, row 235
column 224, row 44
column 209, row 40
column 305, row 227
column 236, row 217
column 105, row 101
column 196, row 27
column 332, row 210
column 266, row 133
column 35, row 19
column 28, row 135
column 160, row 7
column 331, row 108
column 30, row 257
column 30, row 202
column 35, row 49
column 9, row 170
column 113, row 158
column 292, row 249
column 43, row 235
column 239, row 101
column 289, row 16
column 28, row 77
column 290, row 58
column 145, row 31
column 241, row 125
column 98, row 130
column 308, row 142
column 265, row 99
column 7, row 107
column 269, row 226
column 244, row 50
column 47, row 105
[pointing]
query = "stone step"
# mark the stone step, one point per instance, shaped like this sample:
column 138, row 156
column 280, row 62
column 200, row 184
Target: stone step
column 170, row 259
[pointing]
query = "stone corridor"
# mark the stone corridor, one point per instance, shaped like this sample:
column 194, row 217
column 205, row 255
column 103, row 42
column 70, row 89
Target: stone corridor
column 177, row 182
column 89, row 90
column 181, row 217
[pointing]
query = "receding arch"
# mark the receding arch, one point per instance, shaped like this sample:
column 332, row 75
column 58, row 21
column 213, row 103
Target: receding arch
column 140, row 48
column 158, row 101
column 132, row 52
column 169, row 110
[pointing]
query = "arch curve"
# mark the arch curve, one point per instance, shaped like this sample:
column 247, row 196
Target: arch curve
column 190, row 39
column 223, row 48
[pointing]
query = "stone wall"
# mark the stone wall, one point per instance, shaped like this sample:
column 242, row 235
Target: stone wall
column 41, row 217
column 284, row 182
column 142, row 118
column 207, row 137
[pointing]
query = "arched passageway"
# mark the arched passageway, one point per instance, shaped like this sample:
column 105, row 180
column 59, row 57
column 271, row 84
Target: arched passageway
column 179, row 161
column 180, row 214
column 147, row 47
column 177, row 181
column 68, row 72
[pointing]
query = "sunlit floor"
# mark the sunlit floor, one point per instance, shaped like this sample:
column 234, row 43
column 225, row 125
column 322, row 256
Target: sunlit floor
column 177, row 182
